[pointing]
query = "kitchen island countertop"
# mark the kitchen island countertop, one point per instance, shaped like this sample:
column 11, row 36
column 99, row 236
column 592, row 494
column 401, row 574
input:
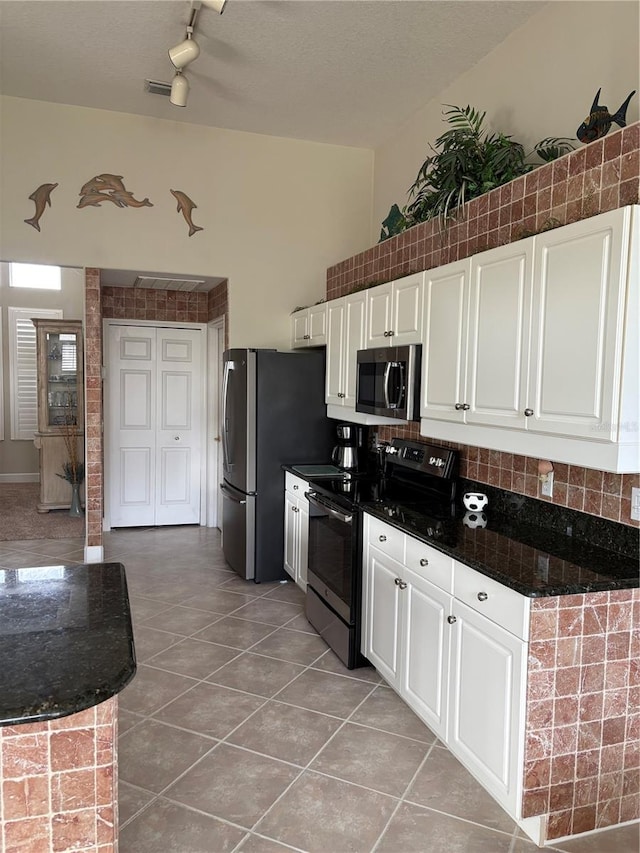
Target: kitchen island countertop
column 66, row 640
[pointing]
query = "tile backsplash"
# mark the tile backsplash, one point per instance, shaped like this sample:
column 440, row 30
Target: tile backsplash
column 602, row 176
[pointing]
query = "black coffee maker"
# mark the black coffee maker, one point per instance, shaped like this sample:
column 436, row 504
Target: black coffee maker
column 347, row 454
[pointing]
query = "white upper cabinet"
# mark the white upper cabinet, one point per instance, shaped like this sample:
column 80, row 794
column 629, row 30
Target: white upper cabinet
column 346, row 318
column 394, row 312
column 534, row 347
column 309, row 326
column 578, row 329
column 444, row 350
column 499, row 311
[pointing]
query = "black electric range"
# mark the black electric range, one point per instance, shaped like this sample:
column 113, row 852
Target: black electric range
column 413, row 480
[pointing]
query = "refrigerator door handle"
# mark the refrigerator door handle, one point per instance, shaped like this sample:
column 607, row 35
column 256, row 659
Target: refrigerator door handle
column 229, row 494
column 228, row 464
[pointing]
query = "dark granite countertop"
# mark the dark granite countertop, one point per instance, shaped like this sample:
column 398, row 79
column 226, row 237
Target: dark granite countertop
column 533, row 560
column 66, row 641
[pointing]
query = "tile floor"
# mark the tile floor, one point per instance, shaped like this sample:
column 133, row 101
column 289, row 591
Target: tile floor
column 242, row 732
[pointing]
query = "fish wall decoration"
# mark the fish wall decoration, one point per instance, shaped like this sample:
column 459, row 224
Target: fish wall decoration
column 41, row 198
column 598, row 123
column 107, row 187
column 185, row 206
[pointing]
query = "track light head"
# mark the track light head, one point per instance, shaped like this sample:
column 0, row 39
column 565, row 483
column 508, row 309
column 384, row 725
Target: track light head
column 216, row 5
column 179, row 90
column 185, row 52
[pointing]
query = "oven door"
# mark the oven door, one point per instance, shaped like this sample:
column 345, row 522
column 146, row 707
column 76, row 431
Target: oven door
column 331, row 562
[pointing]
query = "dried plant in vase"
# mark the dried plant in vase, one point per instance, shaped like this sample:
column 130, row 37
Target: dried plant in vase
column 73, row 468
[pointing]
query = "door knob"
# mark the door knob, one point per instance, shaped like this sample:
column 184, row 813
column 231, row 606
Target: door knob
column 482, row 596
column 458, row 406
column 176, row 438
column 528, row 413
column 424, row 562
column 382, row 538
column 399, row 582
column 451, row 620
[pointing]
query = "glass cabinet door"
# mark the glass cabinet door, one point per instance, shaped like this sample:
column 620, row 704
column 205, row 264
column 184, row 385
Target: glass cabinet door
column 62, row 378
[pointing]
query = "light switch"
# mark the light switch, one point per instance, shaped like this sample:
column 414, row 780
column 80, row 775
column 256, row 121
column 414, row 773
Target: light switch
column 635, row 504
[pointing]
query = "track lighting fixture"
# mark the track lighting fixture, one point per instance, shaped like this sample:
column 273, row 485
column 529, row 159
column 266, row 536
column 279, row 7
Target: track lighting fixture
column 179, row 90
column 185, row 52
column 216, row 5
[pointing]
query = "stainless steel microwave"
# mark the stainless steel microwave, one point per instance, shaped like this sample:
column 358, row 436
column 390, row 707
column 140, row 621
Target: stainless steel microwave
column 388, row 382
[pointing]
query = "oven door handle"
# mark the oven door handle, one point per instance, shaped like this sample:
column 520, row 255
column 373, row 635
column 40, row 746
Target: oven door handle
column 315, row 500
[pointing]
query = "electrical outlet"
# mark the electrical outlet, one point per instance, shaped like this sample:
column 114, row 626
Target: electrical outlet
column 546, row 488
column 635, row 504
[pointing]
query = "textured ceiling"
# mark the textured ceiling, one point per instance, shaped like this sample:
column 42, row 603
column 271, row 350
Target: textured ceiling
column 347, row 72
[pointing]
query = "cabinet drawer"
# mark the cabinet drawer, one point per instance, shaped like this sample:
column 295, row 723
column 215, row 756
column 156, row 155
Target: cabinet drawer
column 296, row 485
column 429, row 563
column 387, row 539
column 497, row 602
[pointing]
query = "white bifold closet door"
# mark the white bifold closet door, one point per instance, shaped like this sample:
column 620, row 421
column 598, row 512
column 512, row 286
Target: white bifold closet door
column 154, row 411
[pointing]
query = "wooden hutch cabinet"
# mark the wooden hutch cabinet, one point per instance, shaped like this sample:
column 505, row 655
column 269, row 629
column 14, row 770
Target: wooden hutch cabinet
column 60, row 391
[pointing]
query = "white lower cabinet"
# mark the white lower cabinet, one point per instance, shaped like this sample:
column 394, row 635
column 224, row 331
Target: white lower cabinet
column 296, row 529
column 486, row 703
column 432, row 628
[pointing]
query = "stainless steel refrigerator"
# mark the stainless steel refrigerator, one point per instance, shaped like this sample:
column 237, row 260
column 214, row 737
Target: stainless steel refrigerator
column 273, row 413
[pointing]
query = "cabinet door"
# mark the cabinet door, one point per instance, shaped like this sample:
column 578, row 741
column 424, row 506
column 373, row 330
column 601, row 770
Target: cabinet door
column 406, row 316
column 379, row 316
column 290, row 535
column 444, row 351
column 300, row 329
column 303, row 544
column 486, row 702
column 355, row 329
column 499, row 315
column 382, row 602
column 336, row 332
column 317, row 325
column 425, row 651
column 577, row 328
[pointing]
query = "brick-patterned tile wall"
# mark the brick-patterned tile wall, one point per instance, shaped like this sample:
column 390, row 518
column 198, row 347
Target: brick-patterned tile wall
column 128, row 303
column 594, row 492
column 602, row 176
column 582, row 752
column 93, row 404
column 59, row 783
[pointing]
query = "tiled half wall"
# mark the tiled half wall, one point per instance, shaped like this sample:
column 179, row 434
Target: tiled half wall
column 582, row 751
column 59, row 784
column 602, row 176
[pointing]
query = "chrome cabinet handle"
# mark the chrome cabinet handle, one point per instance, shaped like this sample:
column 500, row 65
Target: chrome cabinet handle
column 459, row 406
column 465, row 407
column 306, row 337
column 391, row 333
column 482, row 596
column 382, row 538
column 399, row 582
column 451, row 620
column 295, row 488
column 528, row 413
column 386, row 334
column 424, row 562
column 341, row 395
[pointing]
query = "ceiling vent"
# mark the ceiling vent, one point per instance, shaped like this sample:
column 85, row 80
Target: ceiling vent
column 156, row 87
column 193, row 285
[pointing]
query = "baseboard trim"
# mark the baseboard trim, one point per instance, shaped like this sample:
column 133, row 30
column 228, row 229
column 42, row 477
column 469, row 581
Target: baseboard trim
column 93, row 553
column 19, row 478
